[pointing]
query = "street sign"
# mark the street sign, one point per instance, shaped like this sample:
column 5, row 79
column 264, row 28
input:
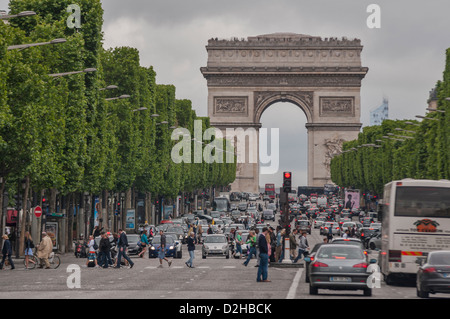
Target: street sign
column 38, row 211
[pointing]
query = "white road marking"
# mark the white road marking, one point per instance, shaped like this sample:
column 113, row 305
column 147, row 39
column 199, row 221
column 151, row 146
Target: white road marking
column 293, row 288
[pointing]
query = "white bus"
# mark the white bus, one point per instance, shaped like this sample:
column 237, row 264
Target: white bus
column 415, row 220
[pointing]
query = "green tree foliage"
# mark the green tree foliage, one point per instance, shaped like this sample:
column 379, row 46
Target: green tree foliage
column 425, row 155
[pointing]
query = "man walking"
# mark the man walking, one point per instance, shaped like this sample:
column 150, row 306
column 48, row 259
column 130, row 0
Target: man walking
column 191, row 249
column 44, row 250
column 302, row 247
column 104, row 255
column 293, row 244
column 252, row 241
column 264, row 257
column 279, row 243
column 162, row 251
column 7, row 252
column 122, row 244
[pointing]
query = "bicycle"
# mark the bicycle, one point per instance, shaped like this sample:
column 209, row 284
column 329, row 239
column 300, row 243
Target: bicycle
column 53, row 260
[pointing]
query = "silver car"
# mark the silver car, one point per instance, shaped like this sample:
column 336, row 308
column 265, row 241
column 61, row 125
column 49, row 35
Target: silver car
column 215, row 245
column 339, row 267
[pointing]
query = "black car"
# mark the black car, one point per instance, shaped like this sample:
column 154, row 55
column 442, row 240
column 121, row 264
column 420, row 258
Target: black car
column 434, row 275
column 366, row 233
column 133, row 247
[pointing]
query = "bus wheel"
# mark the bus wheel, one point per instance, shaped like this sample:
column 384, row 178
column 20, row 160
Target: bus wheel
column 389, row 279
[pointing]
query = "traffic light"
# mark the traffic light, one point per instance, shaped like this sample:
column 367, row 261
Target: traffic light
column 287, row 182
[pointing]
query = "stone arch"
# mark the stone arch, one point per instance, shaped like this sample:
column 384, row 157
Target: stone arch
column 304, row 100
column 321, row 76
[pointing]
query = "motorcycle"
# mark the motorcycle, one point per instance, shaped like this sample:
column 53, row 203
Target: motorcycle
column 80, row 249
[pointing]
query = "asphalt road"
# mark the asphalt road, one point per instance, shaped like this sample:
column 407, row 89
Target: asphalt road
column 213, row 278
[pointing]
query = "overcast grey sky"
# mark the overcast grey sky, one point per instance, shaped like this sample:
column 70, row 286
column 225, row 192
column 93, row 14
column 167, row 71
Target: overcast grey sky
column 406, row 56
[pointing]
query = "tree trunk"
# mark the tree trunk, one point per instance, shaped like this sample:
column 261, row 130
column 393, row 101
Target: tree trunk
column 2, row 189
column 23, row 218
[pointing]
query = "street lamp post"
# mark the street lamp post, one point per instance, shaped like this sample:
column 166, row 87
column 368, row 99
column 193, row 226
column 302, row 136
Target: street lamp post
column 55, row 75
column 109, row 87
column 18, row 15
column 124, row 96
column 426, row 118
column 29, row 45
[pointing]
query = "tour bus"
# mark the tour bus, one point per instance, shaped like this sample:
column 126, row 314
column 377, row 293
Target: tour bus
column 270, row 190
column 415, row 220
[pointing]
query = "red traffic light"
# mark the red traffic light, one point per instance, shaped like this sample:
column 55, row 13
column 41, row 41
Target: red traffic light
column 287, row 175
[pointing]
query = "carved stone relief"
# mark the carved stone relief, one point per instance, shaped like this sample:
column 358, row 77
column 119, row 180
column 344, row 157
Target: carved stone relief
column 333, row 147
column 337, row 106
column 231, row 105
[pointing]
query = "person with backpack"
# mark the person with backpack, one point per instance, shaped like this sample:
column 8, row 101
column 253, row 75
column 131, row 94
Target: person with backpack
column 92, row 254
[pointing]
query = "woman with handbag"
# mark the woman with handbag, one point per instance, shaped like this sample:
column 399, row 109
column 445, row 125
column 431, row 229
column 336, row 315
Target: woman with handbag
column 29, row 245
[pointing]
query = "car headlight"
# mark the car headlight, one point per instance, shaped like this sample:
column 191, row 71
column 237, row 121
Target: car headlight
column 224, row 246
column 171, row 247
column 152, row 248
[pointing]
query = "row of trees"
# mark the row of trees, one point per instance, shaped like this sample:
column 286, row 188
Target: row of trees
column 62, row 136
column 413, row 150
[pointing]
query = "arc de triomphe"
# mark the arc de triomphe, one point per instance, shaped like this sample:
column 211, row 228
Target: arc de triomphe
column 321, row 76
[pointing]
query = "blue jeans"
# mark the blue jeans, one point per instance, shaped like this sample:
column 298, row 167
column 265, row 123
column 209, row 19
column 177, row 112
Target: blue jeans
column 104, row 259
column 119, row 257
column 252, row 252
column 300, row 253
column 191, row 259
column 239, row 248
column 282, row 255
column 263, row 269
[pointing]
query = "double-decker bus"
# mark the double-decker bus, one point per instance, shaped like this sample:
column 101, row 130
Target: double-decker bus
column 415, row 220
column 269, row 190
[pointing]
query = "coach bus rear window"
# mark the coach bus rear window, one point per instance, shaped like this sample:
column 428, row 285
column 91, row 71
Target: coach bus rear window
column 422, row 201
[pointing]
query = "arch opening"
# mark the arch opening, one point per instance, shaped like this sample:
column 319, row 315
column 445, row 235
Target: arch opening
column 290, row 118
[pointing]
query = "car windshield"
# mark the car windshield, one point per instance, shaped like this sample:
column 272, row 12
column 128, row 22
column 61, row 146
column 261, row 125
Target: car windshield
column 329, row 252
column 303, row 223
column 346, row 242
column 133, row 238
column 157, row 240
column 215, row 239
column 439, row 258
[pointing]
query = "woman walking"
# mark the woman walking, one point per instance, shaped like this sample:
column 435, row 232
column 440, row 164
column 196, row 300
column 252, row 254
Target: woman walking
column 29, row 245
column 144, row 244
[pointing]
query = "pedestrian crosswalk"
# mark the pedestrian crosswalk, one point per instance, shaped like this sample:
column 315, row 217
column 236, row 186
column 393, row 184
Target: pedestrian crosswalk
column 199, row 267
